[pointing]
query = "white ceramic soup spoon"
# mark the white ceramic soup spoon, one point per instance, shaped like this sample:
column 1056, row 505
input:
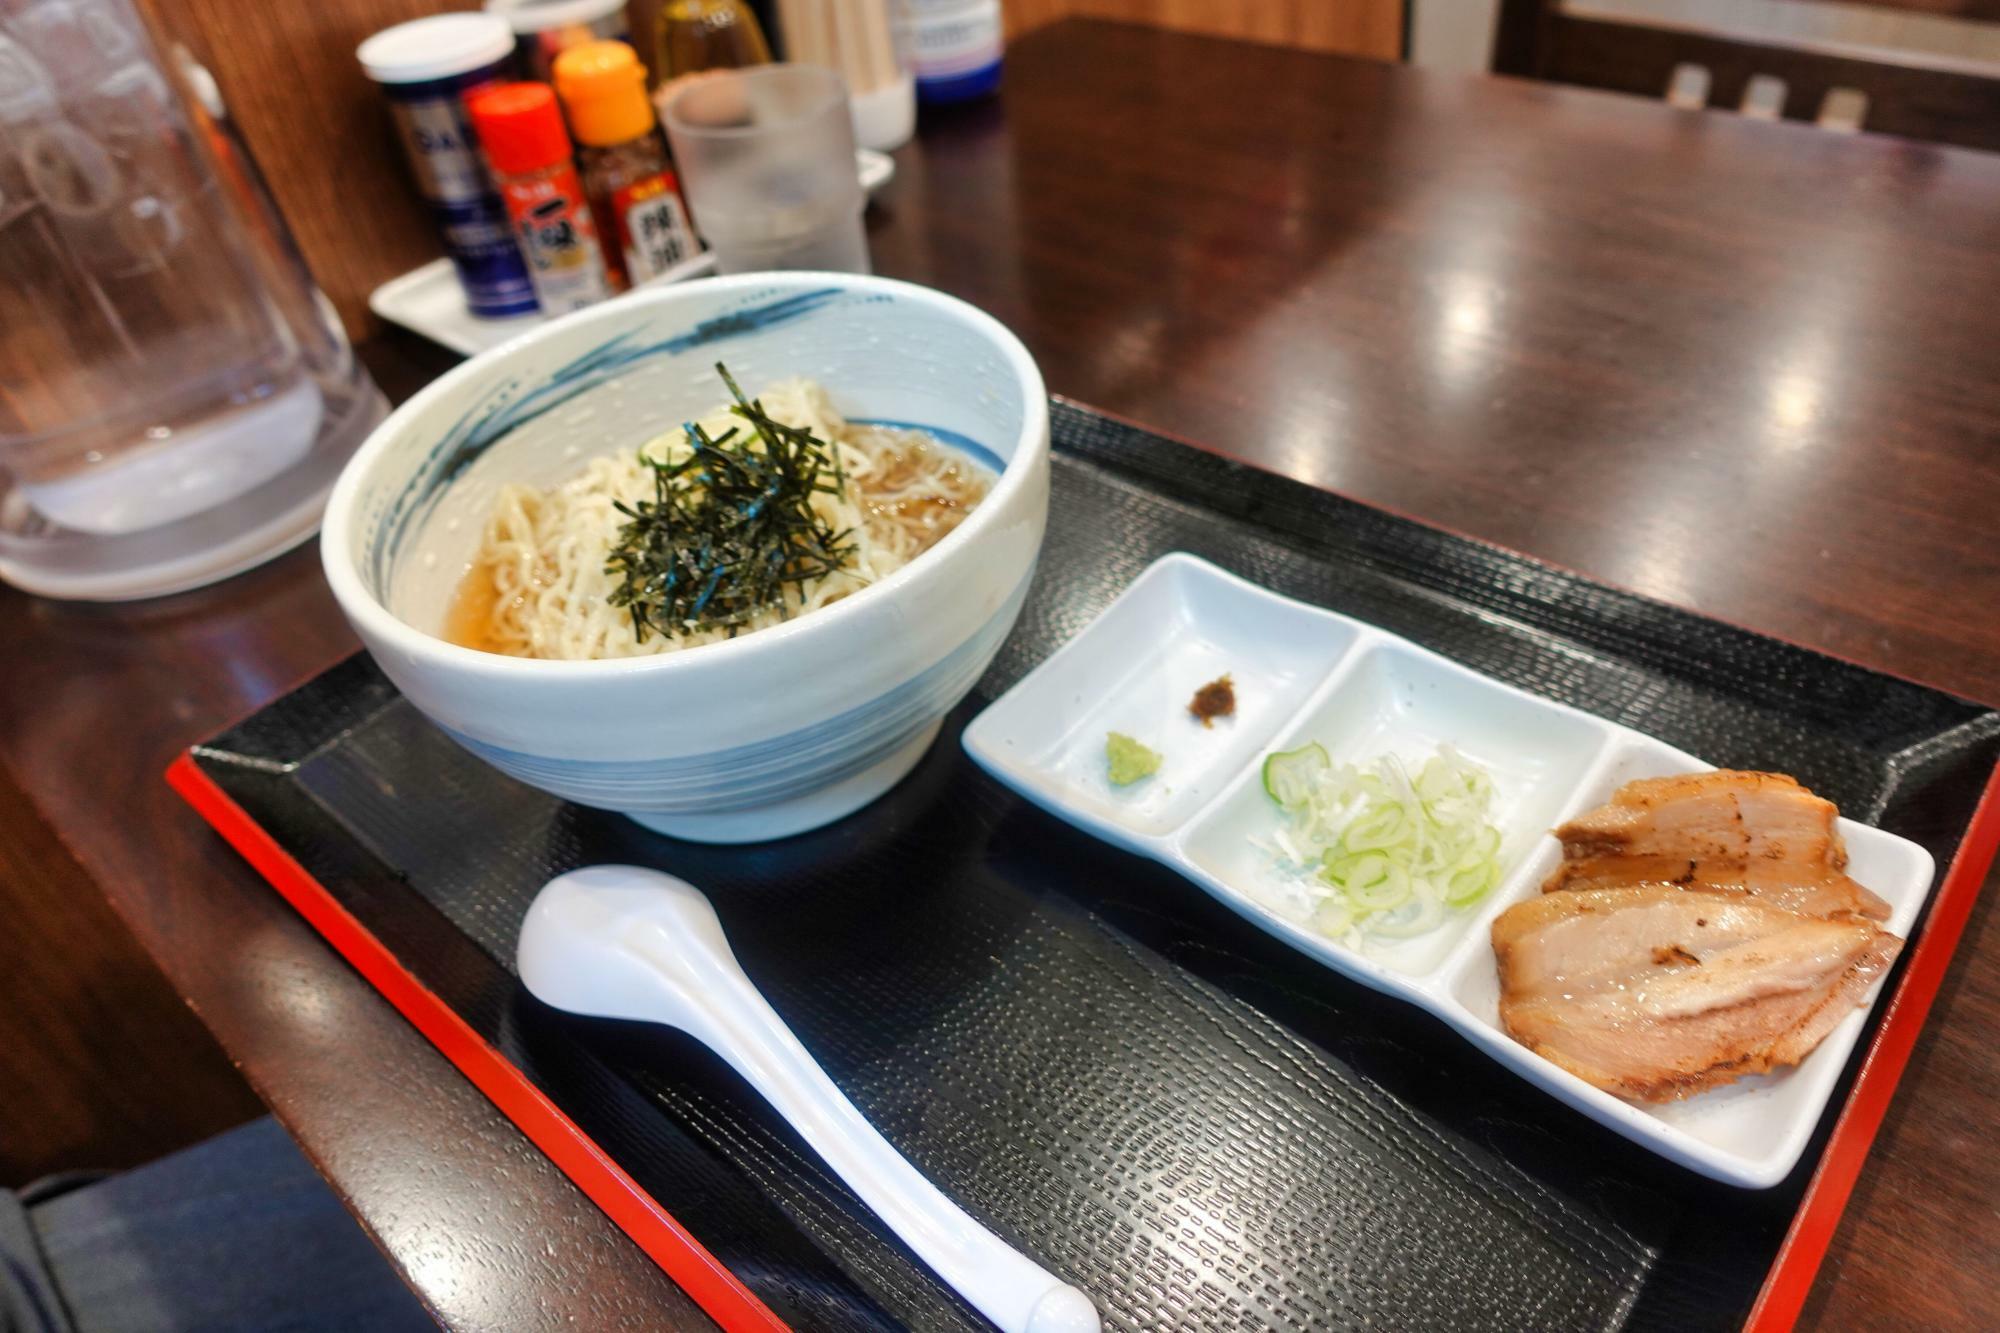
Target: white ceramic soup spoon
column 626, row 942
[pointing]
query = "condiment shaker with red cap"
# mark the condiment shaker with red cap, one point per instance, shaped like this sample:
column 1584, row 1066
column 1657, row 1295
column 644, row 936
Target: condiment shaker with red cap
column 521, row 130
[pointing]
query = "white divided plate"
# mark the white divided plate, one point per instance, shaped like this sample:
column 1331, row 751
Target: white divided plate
column 428, row 299
column 1304, row 674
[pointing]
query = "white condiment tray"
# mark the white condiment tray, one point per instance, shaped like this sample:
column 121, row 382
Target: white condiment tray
column 1304, row 674
column 428, row 300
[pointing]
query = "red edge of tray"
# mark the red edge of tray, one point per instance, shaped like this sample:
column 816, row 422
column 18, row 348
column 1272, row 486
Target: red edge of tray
column 1805, row 1244
column 735, row 1307
column 704, row 1277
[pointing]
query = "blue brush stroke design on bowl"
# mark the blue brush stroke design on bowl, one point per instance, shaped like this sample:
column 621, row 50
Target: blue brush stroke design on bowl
column 957, row 440
column 780, row 768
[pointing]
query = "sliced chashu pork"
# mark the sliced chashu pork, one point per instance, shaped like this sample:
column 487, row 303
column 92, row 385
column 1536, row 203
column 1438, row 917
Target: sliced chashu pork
column 1656, row 992
column 1756, row 833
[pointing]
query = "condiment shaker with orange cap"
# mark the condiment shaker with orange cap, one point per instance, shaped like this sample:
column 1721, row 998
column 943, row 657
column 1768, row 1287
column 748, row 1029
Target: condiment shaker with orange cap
column 626, row 174
column 521, row 131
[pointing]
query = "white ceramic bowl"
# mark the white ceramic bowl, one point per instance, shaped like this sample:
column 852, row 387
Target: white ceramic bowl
column 757, row 737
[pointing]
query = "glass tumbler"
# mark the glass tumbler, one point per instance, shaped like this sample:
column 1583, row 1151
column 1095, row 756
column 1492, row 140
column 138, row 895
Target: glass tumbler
column 175, row 394
column 766, row 160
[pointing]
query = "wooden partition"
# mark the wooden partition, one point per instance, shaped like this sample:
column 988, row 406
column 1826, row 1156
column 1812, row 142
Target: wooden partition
column 1351, row 27
column 1916, row 94
column 319, row 129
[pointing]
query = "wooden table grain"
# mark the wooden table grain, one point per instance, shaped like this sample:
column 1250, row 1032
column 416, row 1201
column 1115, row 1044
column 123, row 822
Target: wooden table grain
column 1749, row 369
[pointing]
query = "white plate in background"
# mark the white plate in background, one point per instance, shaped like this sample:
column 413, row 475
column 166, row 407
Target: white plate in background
column 428, row 299
column 1303, row 673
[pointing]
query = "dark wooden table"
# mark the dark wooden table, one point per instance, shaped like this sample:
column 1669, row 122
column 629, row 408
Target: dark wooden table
column 1750, row 369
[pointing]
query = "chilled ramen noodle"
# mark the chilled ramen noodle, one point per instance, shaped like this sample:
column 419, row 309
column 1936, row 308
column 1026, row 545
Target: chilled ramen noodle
column 539, row 585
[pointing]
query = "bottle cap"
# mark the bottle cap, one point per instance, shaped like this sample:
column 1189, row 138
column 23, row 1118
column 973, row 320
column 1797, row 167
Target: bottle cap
column 603, row 88
column 542, row 15
column 519, row 126
column 441, row 46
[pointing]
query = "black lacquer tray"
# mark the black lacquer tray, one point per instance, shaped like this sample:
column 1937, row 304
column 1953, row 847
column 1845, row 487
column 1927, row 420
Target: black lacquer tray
column 1199, row 1126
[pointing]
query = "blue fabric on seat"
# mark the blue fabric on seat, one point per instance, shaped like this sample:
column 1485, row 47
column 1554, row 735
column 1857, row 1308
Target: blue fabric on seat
column 236, row 1233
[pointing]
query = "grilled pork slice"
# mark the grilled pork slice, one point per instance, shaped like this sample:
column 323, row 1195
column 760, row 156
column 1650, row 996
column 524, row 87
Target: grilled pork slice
column 1828, row 893
column 1756, row 833
column 1657, row 992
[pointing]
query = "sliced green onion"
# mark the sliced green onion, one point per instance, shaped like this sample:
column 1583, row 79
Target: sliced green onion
column 1289, row 776
column 1469, row 884
column 1378, row 884
column 1398, row 851
column 1385, row 825
column 1333, row 917
column 1336, row 866
column 1425, row 913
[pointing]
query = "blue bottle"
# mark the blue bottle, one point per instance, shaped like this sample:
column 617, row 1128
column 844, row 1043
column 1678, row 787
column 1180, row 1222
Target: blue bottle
column 953, row 47
column 425, row 68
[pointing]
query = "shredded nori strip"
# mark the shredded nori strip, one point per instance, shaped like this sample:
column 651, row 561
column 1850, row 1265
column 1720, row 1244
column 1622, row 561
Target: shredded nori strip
column 730, row 526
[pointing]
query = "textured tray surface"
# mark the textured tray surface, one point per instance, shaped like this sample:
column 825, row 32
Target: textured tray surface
column 1195, row 1123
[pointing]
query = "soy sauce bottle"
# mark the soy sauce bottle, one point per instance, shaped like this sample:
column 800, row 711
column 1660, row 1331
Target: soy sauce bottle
column 623, row 156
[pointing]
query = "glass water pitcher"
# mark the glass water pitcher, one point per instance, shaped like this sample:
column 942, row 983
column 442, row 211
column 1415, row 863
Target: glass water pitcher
column 175, row 394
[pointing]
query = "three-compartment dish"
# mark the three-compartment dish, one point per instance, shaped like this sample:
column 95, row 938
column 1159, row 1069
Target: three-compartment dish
column 1304, row 676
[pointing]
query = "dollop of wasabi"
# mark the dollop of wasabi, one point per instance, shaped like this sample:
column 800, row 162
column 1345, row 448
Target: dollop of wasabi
column 1129, row 760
